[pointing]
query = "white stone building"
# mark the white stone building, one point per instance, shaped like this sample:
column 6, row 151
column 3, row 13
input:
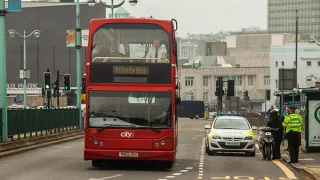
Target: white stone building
column 283, row 56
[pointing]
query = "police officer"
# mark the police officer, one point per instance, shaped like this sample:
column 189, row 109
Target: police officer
column 293, row 124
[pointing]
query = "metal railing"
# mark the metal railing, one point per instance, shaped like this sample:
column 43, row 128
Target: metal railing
column 26, row 123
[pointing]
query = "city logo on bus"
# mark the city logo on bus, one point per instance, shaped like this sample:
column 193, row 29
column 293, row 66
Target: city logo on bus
column 126, row 134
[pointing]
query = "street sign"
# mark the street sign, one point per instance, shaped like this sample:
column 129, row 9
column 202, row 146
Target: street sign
column 287, row 79
column 14, row 5
column 71, row 38
column 28, row 74
column 84, row 37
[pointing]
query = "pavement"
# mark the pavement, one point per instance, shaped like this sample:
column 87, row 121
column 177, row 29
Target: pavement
column 65, row 162
column 309, row 163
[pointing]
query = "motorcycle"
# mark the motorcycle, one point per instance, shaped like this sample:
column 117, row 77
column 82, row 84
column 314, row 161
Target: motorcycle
column 267, row 142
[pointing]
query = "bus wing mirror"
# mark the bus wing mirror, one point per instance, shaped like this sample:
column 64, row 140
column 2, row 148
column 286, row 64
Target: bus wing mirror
column 178, row 100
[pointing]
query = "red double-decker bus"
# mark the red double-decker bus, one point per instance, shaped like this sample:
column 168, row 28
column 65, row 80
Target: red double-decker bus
column 131, row 90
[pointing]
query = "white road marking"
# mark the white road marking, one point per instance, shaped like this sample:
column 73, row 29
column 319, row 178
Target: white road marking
column 184, row 171
column 306, row 159
column 109, row 177
column 169, row 177
column 176, row 174
column 284, row 168
column 189, row 168
column 162, row 179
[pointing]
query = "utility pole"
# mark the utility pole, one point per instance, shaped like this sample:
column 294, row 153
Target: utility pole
column 78, row 47
column 295, row 74
column 57, row 88
column 3, row 71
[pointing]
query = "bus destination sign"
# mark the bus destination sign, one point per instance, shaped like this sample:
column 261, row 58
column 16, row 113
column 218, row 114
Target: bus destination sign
column 131, row 70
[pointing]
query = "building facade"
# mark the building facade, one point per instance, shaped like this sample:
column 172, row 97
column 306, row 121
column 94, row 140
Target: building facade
column 282, row 16
column 200, row 83
column 283, row 56
column 49, row 51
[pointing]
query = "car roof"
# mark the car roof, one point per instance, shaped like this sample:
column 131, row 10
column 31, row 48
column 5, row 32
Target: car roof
column 230, row 117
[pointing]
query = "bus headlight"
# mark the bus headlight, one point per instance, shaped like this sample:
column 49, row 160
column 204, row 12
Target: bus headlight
column 157, row 144
column 95, row 141
column 162, row 143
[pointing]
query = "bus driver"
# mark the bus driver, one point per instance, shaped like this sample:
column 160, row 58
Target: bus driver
column 157, row 51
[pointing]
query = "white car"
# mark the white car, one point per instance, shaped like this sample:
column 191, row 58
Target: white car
column 230, row 134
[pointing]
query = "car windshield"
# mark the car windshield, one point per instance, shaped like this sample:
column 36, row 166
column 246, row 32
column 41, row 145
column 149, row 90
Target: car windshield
column 231, row 123
column 129, row 109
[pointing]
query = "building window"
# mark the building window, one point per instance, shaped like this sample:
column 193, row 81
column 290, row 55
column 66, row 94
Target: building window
column 318, row 63
column 189, row 81
column 237, row 80
column 189, row 95
column 282, row 63
column 205, row 80
column 308, row 63
column 266, row 80
column 277, row 83
column 205, row 96
column 276, row 63
column 250, row 80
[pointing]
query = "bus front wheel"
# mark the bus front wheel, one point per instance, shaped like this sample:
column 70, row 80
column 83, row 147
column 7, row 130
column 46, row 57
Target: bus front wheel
column 96, row 163
column 168, row 164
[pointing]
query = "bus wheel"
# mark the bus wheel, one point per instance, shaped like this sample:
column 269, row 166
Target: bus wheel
column 96, row 163
column 168, row 164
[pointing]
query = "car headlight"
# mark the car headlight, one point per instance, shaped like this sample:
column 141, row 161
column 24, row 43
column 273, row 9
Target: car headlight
column 215, row 136
column 248, row 138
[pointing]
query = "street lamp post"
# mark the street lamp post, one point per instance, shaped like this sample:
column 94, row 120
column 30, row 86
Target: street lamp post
column 12, row 34
column 3, row 72
column 112, row 6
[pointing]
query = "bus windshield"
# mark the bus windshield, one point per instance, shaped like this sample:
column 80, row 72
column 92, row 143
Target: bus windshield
column 133, row 43
column 129, row 109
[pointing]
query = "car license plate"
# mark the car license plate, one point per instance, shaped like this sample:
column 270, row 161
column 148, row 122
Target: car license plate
column 232, row 143
column 128, row 154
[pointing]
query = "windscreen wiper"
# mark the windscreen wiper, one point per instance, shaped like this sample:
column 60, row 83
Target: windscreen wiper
column 106, row 126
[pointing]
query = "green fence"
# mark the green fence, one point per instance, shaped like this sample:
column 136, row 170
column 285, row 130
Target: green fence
column 25, row 123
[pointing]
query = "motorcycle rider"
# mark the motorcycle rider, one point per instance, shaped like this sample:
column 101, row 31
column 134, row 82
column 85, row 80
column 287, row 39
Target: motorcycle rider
column 274, row 122
column 293, row 124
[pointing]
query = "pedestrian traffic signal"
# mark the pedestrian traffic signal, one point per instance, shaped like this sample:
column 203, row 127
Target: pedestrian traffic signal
column 67, row 78
column 230, row 91
column 47, row 83
column 43, row 91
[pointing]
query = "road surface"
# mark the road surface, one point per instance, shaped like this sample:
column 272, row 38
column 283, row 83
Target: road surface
column 65, row 162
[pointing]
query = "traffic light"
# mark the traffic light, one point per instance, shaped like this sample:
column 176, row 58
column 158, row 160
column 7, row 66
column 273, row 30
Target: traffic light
column 43, row 91
column 268, row 94
column 47, row 83
column 245, row 95
column 67, row 82
column 56, row 89
column 218, row 87
column 230, row 91
column 83, row 86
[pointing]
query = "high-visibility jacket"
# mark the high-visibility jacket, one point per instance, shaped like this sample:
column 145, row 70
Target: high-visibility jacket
column 293, row 122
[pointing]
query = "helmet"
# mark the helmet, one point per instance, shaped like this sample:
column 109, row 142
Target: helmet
column 273, row 113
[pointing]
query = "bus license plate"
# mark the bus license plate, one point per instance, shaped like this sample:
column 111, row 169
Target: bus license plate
column 232, row 143
column 128, row 154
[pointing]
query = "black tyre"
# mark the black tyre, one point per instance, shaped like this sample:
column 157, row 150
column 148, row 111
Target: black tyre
column 96, row 163
column 268, row 153
column 168, row 164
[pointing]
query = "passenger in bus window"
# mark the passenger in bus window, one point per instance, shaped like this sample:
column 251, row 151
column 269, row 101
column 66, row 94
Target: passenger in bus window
column 157, row 51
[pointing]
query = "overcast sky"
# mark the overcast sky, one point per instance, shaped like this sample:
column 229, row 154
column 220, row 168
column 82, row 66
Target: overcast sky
column 203, row 16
